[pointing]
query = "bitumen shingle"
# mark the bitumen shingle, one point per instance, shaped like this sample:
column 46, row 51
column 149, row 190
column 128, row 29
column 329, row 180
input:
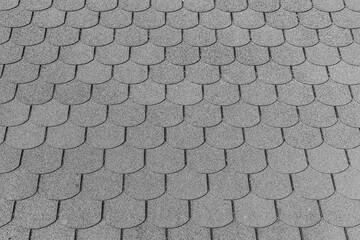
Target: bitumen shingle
column 180, row 119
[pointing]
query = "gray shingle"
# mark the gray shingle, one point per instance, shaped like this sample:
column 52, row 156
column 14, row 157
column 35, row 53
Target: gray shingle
column 183, row 19
column 202, row 73
column 36, row 92
column 282, row 19
column 302, row 136
column 231, row 5
column 51, row 113
column 273, row 73
column 183, row 54
column 62, row 35
column 185, row 136
column 165, row 36
column 166, row 5
column 88, row 114
column 83, row 18
column 199, row 6
column 317, row 114
column 324, row 230
column 145, row 135
column 42, row 53
column 165, row 114
column 267, row 36
column 258, row 93
column 349, row 54
column 279, row 230
column 199, row 36
column 321, row 54
column 101, row 6
column 147, row 54
column 231, row 73
column 10, row 52
column 287, row 54
column 279, row 114
column 263, row 136
column 49, row 18
column 14, row 113
column 124, row 159
column 224, row 136
column 329, row 6
column 110, row 93
column 16, row 17
column 233, row 36
column 241, row 114
column 20, row 72
column 248, row 19
column 134, row 5
column 97, row 36
column 295, row 93
column 252, row 54
column 27, row 135
column 221, row 93
column 116, row 18
column 335, row 36
column 149, row 19
column 333, row 93
column 215, row 19
column 346, row 18
column 296, row 5
column 27, row 35
column 301, row 36
column 184, row 93
column 309, row 73
column 166, row 73
column 58, row 136
column 165, row 159
column 203, row 114
column 127, row 113
column 315, row 19
column 347, row 183
column 349, row 114
column 100, row 231
column 342, row 136
column 7, row 91
column 10, row 158
column 69, row 5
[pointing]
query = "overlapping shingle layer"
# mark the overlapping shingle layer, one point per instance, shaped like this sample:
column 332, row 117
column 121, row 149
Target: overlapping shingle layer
column 171, row 120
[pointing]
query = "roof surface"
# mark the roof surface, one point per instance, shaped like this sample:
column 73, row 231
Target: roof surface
column 180, row 120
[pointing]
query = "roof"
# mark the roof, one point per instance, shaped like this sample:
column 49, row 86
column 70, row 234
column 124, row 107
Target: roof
column 174, row 120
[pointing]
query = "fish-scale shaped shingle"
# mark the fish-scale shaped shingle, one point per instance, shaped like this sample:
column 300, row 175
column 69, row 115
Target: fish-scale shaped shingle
column 329, row 6
column 183, row 54
column 248, row 19
column 315, row 19
column 143, row 231
column 16, row 17
column 231, row 5
column 88, row 114
column 241, row 114
column 7, row 5
column 221, row 93
column 165, row 159
column 134, row 5
column 202, row 73
column 6, row 213
column 325, row 230
column 102, row 184
column 144, row 184
column 309, row 73
column 42, row 159
column 165, row 114
column 258, row 93
column 36, row 92
column 199, row 36
column 5, row 34
column 49, row 18
column 342, row 136
column 187, row 184
column 76, row 54
column 269, row 184
column 166, row 73
column 263, row 136
column 238, row 73
column 273, row 73
column 352, row 5
column 335, row 36
column 68, row 5
column 185, row 136
column 145, row 136
column 124, row 212
column 18, row 184
column 14, row 113
column 327, row 159
column 346, row 18
column 267, row 36
column 323, row 55
column 352, row 232
column 189, row 230
column 279, row 230
column 206, row 159
column 347, row 183
column 149, row 19
column 97, row 36
column 28, row 35
column 34, row 5
column 93, row 73
column 279, row 114
column 130, row 72
column 317, row 114
column 14, row 231
column 246, row 159
column 233, row 36
column 296, row 5
column 165, row 36
column 311, row 184
column 215, row 19
column 350, row 54
column 65, row 136
column 210, row 211
column 167, row 5
column 301, row 36
column 74, row 92
column 341, row 211
column 127, row 113
column 101, row 6
column 51, row 113
column 7, row 91
column 253, row 211
column 199, row 6
column 35, row 212
column 287, row 54
column 83, row 159
column 203, row 114
column 112, row 54
column 109, row 93
column 43, row 53
column 264, row 5
column 116, row 18
column 287, row 159
column 302, row 136
column 229, row 184
column 82, row 18
column 148, row 54
column 295, row 93
column 298, row 211
column 224, row 136
column 80, row 212
column 100, row 231
column 168, row 212
column 10, row 158
column 124, row 159
column 282, row 19
column 182, row 19
column 252, row 54
column 332, row 93
column 63, row 35
column 184, row 93
column 20, row 72
column 27, row 135
column 349, row 114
